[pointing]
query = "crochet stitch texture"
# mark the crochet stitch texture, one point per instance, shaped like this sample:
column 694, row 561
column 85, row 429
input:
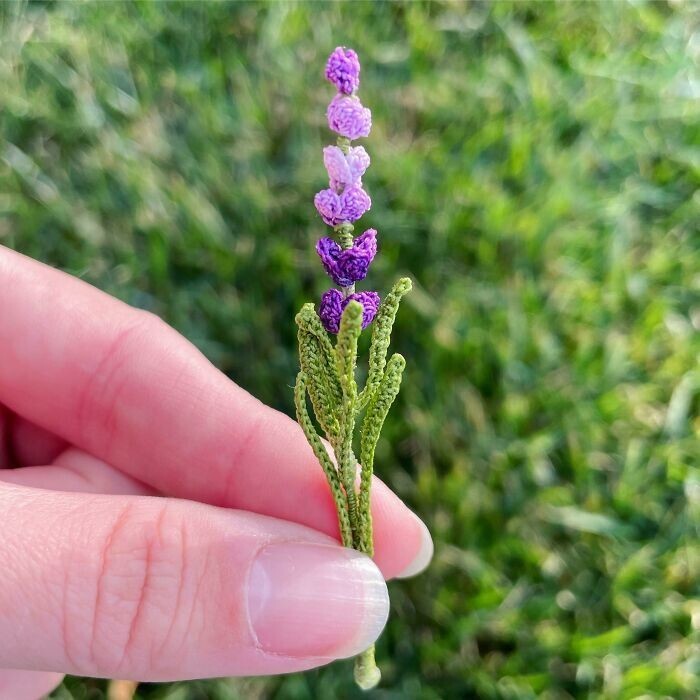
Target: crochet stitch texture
column 333, row 304
column 345, row 169
column 348, row 206
column 349, row 265
column 343, row 70
column 347, row 117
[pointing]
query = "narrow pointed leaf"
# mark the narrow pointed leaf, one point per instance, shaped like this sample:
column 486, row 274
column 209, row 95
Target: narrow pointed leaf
column 381, row 336
column 317, row 361
column 372, row 424
column 324, row 459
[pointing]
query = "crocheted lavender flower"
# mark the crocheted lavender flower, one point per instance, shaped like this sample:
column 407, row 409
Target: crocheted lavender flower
column 350, row 265
column 333, row 304
column 327, row 375
column 347, row 117
column 336, row 208
column 345, row 170
column 343, row 70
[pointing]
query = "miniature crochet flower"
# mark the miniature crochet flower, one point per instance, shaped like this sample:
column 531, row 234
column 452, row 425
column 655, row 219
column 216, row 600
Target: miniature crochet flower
column 348, row 266
column 333, row 304
column 347, row 117
column 348, row 206
column 327, row 375
column 345, row 170
column 343, row 70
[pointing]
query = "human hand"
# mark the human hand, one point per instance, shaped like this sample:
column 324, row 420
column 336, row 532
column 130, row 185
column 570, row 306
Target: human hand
column 101, row 408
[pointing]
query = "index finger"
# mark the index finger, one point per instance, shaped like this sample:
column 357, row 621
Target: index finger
column 124, row 386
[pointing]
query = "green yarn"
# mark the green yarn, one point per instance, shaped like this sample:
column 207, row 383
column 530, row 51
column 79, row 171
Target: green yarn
column 324, row 459
column 381, row 337
column 317, row 359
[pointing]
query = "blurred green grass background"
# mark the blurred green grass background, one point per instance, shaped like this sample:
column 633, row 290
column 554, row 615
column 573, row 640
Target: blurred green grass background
column 536, row 171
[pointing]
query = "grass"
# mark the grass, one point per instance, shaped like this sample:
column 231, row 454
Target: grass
column 536, row 171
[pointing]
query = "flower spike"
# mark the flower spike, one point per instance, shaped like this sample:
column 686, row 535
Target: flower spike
column 327, row 373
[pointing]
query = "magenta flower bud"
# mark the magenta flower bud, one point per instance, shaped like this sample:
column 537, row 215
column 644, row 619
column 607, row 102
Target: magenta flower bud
column 336, row 208
column 350, row 265
column 343, row 70
column 347, row 117
column 345, row 170
column 333, row 304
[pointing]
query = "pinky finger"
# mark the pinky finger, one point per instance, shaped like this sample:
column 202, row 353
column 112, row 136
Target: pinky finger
column 78, row 472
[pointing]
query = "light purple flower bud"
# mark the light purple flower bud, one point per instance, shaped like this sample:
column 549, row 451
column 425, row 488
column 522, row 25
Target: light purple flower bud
column 343, row 70
column 333, row 304
column 345, row 170
column 329, row 206
column 347, row 117
column 350, row 265
column 355, row 203
column 336, row 208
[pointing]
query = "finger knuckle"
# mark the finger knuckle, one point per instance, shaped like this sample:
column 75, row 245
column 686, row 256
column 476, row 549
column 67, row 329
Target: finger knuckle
column 139, row 584
column 99, row 399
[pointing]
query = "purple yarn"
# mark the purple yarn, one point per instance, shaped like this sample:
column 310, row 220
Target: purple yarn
column 350, row 265
column 345, row 170
column 347, row 117
column 331, row 309
column 329, row 206
column 336, row 208
column 345, row 201
column 343, row 70
column 333, row 304
column 355, row 203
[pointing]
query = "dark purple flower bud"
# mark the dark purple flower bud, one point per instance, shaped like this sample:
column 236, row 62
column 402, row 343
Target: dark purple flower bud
column 347, row 117
column 331, row 309
column 350, row 265
column 333, row 304
column 343, row 70
column 370, row 306
column 336, row 208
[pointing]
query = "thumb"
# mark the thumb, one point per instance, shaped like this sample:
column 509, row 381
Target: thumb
column 158, row 589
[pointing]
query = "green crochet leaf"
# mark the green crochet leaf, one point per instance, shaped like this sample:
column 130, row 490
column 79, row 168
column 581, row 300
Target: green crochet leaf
column 324, row 459
column 381, row 336
column 346, row 348
column 377, row 411
column 317, row 359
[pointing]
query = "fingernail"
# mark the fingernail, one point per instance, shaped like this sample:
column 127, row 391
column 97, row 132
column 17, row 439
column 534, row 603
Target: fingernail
column 311, row 600
column 424, row 554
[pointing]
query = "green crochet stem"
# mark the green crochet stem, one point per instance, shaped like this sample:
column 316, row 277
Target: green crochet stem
column 327, row 376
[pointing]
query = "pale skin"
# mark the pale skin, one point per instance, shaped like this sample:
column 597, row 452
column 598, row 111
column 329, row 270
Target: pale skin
column 137, row 485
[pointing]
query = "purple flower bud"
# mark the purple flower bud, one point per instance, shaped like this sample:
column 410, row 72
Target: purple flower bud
column 329, row 206
column 333, row 304
column 343, row 70
column 345, row 170
column 348, row 266
column 370, row 306
column 355, row 203
column 331, row 309
column 336, row 208
column 347, row 117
